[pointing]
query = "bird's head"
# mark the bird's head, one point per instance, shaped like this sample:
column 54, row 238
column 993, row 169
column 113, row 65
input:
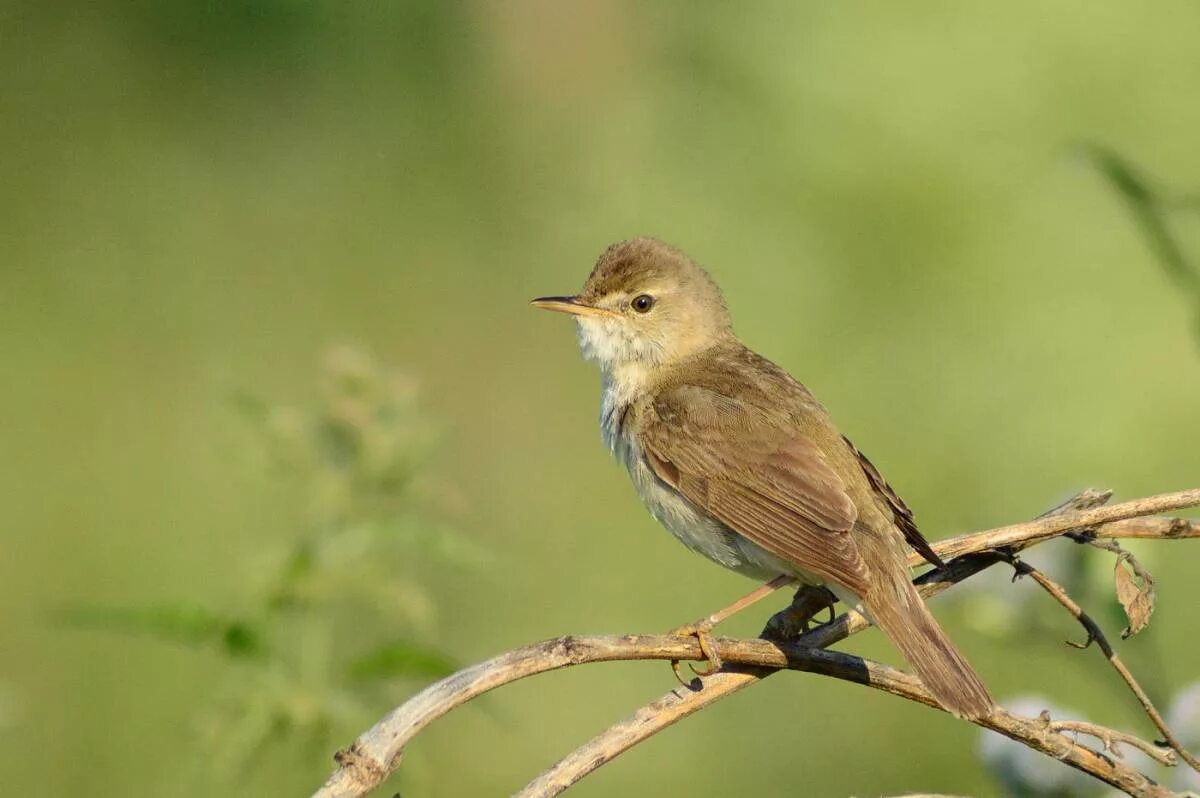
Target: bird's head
column 646, row 305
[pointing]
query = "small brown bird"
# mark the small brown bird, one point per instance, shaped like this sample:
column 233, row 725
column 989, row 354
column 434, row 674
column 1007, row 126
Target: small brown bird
column 740, row 462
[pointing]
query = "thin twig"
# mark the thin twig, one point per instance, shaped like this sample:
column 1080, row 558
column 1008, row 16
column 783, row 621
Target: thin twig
column 1153, row 528
column 377, row 752
column 1096, row 635
column 1110, row 738
column 1049, row 526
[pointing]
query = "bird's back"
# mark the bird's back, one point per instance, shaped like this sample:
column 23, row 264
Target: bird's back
column 779, row 400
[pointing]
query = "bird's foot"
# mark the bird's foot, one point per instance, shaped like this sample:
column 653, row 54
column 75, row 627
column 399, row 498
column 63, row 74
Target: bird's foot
column 795, row 620
column 702, row 631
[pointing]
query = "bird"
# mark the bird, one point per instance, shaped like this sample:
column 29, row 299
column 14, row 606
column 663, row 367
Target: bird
column 741, row 463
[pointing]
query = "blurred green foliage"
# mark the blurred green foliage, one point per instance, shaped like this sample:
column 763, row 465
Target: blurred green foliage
column 198, row 196
column 1153, row 211
column 182, row 623
column 343, row 608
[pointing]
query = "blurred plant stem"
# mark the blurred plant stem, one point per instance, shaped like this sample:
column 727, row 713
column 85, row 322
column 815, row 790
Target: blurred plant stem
column 1152, row 209
column 344, row 611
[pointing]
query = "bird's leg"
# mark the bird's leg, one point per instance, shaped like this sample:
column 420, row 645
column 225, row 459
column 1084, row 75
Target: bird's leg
column 702, row 629
column 789, row 623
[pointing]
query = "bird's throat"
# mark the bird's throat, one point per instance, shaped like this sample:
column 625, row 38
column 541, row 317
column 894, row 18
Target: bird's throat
column 621, row 386
column 627, row 381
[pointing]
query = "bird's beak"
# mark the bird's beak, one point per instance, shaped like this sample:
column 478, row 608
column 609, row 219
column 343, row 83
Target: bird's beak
column 569, row 304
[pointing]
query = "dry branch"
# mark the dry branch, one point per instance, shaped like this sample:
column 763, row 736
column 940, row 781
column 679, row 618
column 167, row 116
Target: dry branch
column 1096, row 635
column 377, row 752
column 647, row 721
column 565, row 651
column 1024, row 535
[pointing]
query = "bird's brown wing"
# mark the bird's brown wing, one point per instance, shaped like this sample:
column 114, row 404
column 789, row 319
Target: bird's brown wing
column 903, row 515
column 759, row 472
column 759, row 475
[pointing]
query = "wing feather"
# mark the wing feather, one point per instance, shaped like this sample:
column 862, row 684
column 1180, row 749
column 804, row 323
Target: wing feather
column 758, row 474
column 901, row 513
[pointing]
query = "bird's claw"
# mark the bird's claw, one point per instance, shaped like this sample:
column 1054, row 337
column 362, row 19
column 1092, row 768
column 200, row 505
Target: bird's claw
column 790, row 622
column 702, row 631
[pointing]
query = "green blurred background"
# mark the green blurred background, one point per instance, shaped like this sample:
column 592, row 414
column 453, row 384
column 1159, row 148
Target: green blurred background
column 200, row 198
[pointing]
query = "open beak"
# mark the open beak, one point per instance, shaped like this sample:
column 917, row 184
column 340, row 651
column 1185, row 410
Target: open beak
column 569, row 304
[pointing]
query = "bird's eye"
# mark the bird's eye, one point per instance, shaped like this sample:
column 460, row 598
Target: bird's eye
column 642, row 303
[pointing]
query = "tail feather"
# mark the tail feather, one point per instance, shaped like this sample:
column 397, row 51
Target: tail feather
column 896, row 608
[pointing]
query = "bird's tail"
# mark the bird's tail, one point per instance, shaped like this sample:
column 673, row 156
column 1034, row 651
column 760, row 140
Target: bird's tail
column 894, row 605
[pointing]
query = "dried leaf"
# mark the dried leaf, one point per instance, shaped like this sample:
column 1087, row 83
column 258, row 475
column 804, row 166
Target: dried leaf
column 1135, row 591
